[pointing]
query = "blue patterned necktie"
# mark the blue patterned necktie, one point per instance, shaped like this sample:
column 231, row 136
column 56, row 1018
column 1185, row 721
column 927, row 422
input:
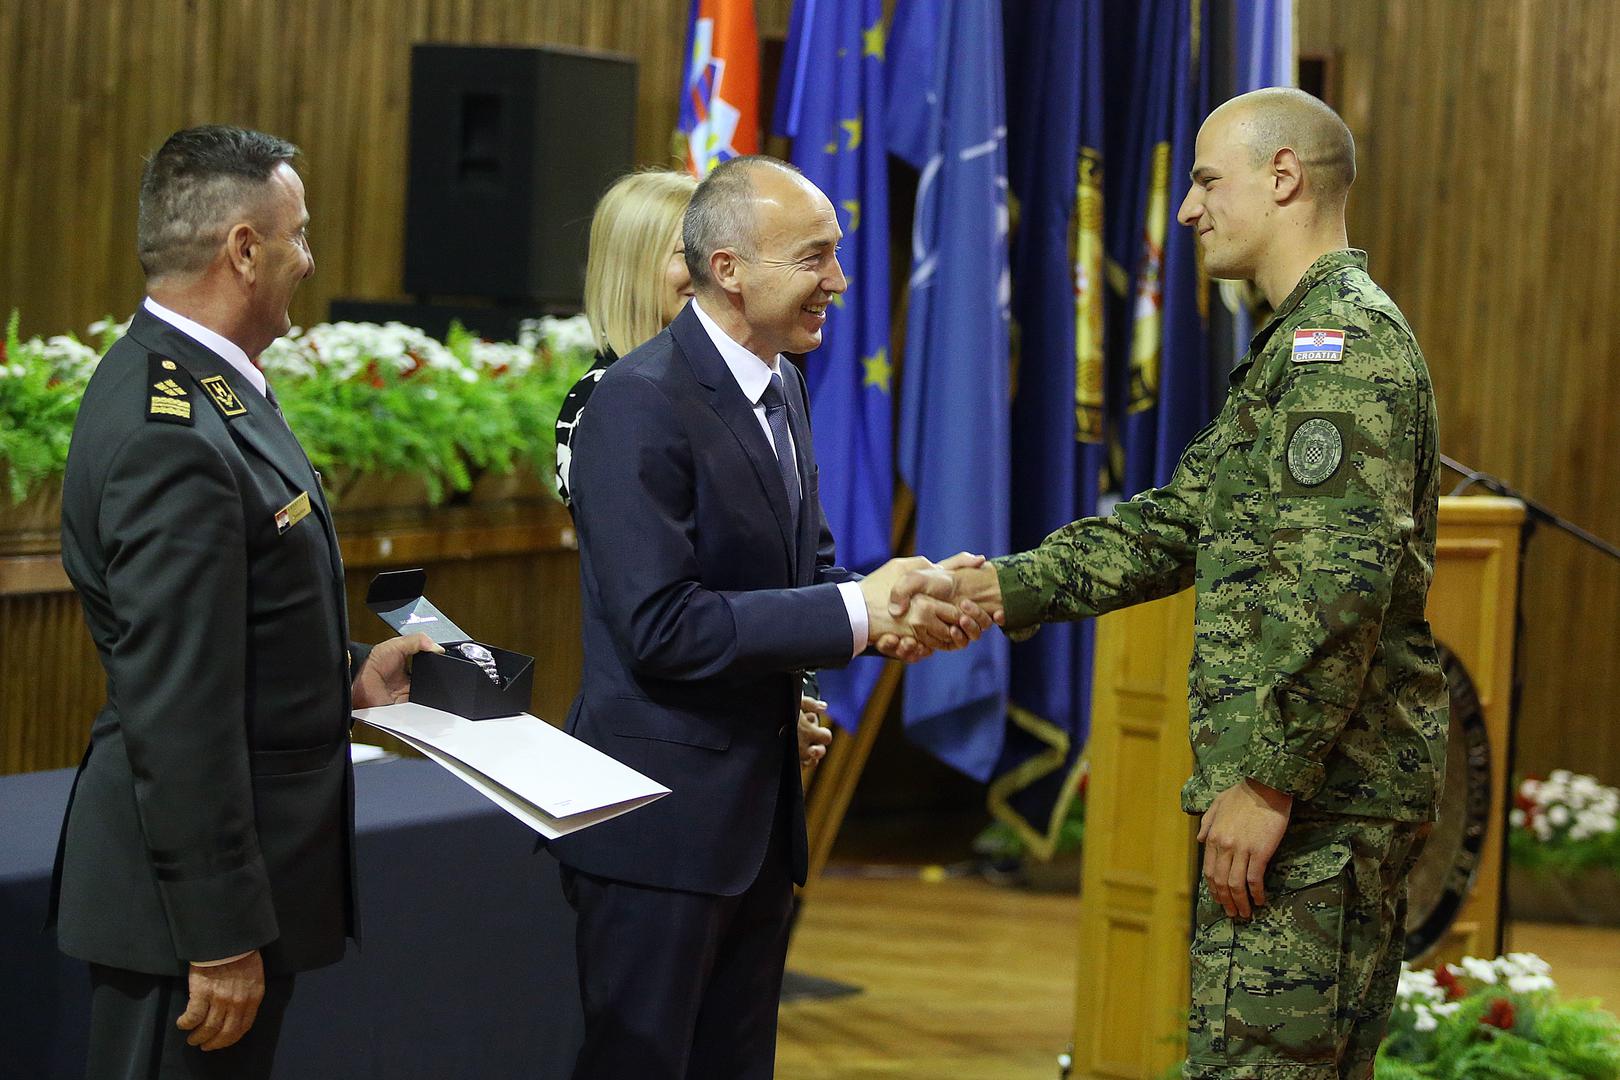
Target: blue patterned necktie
column 776, row 417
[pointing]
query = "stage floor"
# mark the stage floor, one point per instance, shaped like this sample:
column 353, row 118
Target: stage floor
column 973, row 981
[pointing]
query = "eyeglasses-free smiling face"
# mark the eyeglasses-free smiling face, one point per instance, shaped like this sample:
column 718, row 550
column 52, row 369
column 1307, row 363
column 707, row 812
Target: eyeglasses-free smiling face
column 793, row 273
column 1230, row 199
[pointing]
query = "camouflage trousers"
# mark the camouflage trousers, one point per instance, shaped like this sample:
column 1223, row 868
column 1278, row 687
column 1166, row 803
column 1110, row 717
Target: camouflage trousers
column 1304, row 988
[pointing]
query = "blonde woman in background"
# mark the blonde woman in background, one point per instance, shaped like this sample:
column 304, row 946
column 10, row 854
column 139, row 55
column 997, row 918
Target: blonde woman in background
column 636, row 282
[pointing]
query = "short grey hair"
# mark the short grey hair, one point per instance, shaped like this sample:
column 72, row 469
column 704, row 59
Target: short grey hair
column 722, row 215
column 195, row 188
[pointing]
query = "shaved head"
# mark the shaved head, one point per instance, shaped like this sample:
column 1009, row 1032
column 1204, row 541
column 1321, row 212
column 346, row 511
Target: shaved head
column 1277, row 118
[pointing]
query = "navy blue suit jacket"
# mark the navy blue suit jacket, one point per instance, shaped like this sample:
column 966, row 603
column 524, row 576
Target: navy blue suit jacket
column 702, row 606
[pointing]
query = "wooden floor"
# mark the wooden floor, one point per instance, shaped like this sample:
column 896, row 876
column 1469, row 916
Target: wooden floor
column 959, row 979
column 970, row 981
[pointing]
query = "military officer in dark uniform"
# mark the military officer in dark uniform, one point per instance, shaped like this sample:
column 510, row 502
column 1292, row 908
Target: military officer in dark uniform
column 207, row 853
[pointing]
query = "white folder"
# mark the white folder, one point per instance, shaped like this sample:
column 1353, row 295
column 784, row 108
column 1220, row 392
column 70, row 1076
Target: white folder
column 547, row 779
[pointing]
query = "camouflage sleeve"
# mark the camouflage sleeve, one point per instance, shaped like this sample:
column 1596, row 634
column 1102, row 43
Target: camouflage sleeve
column 1145, row 549
column 1341, row 474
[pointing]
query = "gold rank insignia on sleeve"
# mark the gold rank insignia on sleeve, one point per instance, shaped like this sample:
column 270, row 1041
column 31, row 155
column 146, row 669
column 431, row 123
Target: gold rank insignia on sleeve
column 169, row 400
column 221, row 394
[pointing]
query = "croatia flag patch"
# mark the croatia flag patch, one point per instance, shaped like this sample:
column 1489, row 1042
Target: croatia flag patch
column 1317, row 346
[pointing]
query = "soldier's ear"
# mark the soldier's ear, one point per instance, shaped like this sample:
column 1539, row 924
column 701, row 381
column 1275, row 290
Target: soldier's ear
column 1287, row 176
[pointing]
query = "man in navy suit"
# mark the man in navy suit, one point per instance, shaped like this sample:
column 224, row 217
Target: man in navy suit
column 709, row 587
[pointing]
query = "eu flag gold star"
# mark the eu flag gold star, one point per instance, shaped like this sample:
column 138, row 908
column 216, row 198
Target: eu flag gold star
column 878, row 370
column 853, row 129
column 873, row 40
column 852, row 207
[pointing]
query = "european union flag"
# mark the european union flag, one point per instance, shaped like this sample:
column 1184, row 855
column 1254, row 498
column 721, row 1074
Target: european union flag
column 830, row 98
column 1055, row 143
column 947, row 117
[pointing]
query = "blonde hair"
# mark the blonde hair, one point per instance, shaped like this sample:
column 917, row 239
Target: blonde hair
column 633, row 232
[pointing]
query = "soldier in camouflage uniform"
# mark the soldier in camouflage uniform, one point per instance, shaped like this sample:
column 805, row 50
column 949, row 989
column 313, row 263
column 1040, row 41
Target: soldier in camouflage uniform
column 1304, row 516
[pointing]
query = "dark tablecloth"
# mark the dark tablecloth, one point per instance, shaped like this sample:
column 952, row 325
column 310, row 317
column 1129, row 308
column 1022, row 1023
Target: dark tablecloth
column 467, row 970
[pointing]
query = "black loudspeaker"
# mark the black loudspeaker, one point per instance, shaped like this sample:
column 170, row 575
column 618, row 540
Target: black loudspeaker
column 510, row 149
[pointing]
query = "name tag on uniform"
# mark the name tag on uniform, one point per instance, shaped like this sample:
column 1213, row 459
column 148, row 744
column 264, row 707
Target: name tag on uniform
column 292, row 513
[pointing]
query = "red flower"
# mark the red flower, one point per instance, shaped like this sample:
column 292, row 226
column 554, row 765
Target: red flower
column 372, row 375
column 1501, row 1015
column 1448, row 979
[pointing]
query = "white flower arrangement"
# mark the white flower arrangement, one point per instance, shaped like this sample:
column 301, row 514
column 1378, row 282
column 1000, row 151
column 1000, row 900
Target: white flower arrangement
column 1431, row 995
column 344, row 349
column 1495, row 1018
column 559, row 335
column 1566, row 807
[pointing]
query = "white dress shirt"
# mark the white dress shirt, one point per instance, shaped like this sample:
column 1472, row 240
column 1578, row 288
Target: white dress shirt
column 220, row 346
column 753, row 375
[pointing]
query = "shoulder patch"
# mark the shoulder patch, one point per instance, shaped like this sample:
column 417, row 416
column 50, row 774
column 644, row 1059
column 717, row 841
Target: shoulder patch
column 223, row 397
column 168, row 399
column 1317, row 443
column 1318, row 346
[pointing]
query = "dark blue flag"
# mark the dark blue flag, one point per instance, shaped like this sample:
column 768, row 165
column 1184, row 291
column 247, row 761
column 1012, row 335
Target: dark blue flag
column 1262, row 55
column 831, row 103
column 1163, row 367
column 947, row 118
column 1055, row 142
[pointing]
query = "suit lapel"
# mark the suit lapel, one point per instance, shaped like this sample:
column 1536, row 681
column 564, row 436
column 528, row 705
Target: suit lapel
column 726, row 398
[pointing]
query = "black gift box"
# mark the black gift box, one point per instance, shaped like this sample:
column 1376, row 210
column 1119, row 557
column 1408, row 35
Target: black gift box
column 449, row 681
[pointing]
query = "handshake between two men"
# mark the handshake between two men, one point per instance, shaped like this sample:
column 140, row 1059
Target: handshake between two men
column 916, row 607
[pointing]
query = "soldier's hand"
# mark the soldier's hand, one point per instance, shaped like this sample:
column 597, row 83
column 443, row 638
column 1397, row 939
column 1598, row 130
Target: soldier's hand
column 966, row 582
column 224, row 1002
column 1240, row 832
column 930, row 620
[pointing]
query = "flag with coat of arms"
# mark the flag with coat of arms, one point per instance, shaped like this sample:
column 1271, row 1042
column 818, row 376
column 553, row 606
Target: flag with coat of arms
column 720, row 98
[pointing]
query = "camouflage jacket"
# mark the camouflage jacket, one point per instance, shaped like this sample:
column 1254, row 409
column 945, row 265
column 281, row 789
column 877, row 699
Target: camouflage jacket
column 1304, row 515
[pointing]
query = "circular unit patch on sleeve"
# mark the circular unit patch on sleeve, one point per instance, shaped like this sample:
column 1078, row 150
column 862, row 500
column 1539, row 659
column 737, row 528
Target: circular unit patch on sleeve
column 1314, row 451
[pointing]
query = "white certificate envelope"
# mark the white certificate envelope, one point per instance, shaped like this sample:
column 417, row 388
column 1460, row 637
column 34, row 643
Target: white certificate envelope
column 545, row 778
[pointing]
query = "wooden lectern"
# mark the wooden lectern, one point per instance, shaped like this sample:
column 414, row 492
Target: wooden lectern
column 1141, row 854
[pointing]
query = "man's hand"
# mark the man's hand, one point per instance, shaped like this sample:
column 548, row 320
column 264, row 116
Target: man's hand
column 224, row 1002
column 383, row 679
column 1240, row 832
column 963, row 579
column 814, row 737
column 930, row 620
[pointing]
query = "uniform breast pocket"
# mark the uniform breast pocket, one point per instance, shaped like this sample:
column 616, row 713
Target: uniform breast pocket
column 1240, row 491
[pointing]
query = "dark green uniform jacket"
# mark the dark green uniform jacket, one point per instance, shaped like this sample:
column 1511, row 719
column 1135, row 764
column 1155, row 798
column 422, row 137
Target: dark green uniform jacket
column 213, row 813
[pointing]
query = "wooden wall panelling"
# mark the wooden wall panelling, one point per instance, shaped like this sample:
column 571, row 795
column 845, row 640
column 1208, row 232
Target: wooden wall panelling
column 88, row 87
column 1488, row 137
column 506, row 573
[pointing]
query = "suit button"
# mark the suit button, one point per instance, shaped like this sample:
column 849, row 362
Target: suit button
column 781, row 732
